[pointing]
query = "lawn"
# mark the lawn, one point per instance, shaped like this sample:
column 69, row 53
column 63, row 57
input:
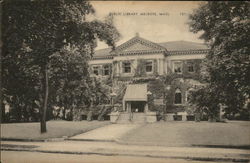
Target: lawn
column 230, row 134
column 55, row 129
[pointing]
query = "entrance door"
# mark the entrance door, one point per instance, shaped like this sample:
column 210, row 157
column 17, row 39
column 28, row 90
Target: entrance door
column 137, row 106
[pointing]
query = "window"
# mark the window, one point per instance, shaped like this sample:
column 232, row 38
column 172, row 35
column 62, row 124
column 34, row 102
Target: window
column 178, row 97
column 149, row 66
column 126, row 67
column 190, row 67
column 96, row 70
column 178, row 67
column 105, row 70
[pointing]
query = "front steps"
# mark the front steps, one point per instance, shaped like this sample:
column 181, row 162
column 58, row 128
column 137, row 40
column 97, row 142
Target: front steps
column 123, row 118
column 131, row 118
column 139, row 118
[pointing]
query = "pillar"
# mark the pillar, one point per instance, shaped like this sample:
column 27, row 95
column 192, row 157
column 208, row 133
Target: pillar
column 123, row 105
column 129, row 107
column 158, row 66
column 117, row 69
column 161, row 66
column 146, row 108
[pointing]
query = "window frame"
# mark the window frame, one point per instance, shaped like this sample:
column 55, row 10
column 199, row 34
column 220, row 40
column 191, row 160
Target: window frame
column 188, row 66
column 178, row 90
column 106, row 68
column 124, row 67
column 181, row 66
column 152, row 67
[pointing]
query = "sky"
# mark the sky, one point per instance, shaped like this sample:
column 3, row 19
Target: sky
column 157, row 21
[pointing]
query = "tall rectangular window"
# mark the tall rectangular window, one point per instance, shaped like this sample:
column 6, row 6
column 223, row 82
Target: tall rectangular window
column 178, row 67
column 126, row 67
column 190, row 67
column 149, row 66
column 178, row 97
column 96, row 70
column 106, row 70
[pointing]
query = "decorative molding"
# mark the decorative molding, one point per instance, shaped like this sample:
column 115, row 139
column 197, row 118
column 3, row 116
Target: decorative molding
column 141, row 52
column 145, row 52
column 137, row 39
column 102, row 57
column 186, row 52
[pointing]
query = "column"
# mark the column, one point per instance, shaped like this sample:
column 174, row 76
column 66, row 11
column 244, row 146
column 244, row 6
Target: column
column 129, row 107
column 165, row 66
column 120, row 67
column 146, row 108
column 123, row 105
column 161, row 66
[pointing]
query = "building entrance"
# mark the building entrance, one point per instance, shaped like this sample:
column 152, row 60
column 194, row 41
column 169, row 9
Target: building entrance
column 137, row 106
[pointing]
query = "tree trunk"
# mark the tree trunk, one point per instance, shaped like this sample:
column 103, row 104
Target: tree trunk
column 3, row 115
column 64, row 111
column 45, row 101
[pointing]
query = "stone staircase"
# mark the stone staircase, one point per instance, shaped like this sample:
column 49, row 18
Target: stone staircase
column 139, row 118
column 123, row 118
column 134, row 118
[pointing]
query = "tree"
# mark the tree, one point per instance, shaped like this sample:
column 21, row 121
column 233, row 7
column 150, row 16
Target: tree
column 71, row 85
column 69, row 79
column 206, row 101
column 37, row 29
column 225, row 26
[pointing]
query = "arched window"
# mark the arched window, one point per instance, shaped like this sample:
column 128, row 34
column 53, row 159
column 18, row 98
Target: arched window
column 177, row 96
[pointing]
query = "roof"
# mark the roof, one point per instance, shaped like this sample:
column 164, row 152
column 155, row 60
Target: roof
column 171, row 46
column 183, row 45
column 102, row 52
column 136, row 92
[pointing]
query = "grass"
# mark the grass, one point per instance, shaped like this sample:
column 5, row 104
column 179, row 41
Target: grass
column 55, row 129
column 231, row 134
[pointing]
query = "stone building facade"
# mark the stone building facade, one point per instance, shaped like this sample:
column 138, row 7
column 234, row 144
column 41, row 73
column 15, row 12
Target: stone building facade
column 151, row 77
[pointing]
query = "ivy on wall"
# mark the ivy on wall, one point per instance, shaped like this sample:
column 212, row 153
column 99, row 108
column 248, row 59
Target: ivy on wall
column 181, row 83
column 155, row 67
column 158, row 89
column 158, row 84
column 141, row 68
column 185, row 74
column 115, row 63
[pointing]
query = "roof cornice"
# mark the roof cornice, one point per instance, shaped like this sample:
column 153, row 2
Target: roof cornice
column 146, row 52
column 102, row 57
column 141, row 52
column 186, row 52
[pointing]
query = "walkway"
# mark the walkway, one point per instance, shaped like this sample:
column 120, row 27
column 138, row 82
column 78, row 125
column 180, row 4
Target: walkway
column 106, row 133
column 114, row 149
